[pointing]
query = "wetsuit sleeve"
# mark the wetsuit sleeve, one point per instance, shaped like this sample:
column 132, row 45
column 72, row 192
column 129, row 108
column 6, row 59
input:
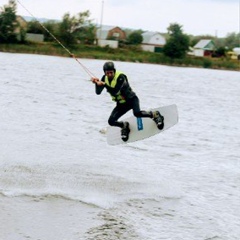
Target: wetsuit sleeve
column 122, row 80
column 98, row 89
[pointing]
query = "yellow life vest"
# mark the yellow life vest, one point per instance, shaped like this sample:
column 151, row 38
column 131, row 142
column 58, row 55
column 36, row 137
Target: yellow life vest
column 118, row 97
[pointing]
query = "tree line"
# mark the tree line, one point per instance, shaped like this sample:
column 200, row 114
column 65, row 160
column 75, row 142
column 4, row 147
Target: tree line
column 79, row 29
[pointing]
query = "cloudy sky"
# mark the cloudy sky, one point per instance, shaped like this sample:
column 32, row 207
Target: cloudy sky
column 214, row 17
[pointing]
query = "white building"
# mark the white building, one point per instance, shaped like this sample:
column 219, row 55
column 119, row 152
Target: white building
column 204, row 47
column 153, row 41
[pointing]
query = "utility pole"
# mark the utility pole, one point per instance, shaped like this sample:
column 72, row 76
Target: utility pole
column 100, row 33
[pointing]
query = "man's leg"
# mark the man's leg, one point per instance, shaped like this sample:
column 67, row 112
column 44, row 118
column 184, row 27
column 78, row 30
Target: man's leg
column 117, row 112
column 156, row 116
column 136, row 109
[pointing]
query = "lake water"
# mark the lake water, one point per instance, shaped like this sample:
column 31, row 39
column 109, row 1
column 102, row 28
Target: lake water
column 60, row 180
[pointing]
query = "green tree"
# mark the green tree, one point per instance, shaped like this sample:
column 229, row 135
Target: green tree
column 52, row 27
column 34, row 27
column 219, row 52
column 8, row 23
column 232, row 40
column 65, row 29
column 178, row 43
column 86, row 34
column 68, row 28
column 135, row 38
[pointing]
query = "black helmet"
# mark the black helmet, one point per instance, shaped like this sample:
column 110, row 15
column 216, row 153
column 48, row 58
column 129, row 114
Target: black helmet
column 108, row 66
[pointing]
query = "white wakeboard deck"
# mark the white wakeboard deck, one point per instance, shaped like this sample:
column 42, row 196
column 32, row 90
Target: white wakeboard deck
column 147, row 126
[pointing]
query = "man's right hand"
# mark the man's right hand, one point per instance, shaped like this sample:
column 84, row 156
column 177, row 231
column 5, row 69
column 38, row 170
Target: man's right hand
column 97, row 81
column 94, row 80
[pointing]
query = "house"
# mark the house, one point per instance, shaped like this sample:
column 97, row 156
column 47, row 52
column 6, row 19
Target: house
column 204, row 47
column 110, row 36
column 110, row 32
column 22, row 24
column 153, row 41
column 22, row 27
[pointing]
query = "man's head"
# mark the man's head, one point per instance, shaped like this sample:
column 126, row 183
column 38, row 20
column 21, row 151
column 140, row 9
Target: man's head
column 109, row 69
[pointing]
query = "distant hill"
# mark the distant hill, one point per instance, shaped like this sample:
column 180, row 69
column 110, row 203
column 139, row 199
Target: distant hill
column 41, row 20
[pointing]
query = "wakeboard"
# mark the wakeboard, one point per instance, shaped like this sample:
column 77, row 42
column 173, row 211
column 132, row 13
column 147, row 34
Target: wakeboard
column 141, row 128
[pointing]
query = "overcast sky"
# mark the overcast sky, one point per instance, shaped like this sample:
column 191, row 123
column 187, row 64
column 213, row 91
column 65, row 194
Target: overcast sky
column 197, row 17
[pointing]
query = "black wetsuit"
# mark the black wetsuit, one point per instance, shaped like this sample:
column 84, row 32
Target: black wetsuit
column 132, row 101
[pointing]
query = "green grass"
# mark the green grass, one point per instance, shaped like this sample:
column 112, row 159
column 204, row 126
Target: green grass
column 130, row 54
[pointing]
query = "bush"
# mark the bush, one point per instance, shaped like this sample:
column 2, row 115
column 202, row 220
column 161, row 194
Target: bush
column 207, row 63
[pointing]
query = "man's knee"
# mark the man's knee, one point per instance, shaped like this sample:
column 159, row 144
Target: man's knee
column 137, row 114
column 111, row 121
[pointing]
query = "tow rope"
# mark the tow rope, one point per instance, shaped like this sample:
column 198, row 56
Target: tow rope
column 65, row 48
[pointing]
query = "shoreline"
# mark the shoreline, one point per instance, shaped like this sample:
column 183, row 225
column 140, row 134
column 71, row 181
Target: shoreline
column 124, row 55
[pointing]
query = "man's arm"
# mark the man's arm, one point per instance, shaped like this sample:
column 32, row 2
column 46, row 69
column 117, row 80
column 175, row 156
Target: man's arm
column 99, row 85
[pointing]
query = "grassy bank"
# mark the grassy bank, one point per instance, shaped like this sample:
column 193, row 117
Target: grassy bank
column 130, row 54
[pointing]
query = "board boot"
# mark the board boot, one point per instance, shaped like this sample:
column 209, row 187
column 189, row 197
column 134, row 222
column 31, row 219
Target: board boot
column 158, row 119
column 125, row 131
